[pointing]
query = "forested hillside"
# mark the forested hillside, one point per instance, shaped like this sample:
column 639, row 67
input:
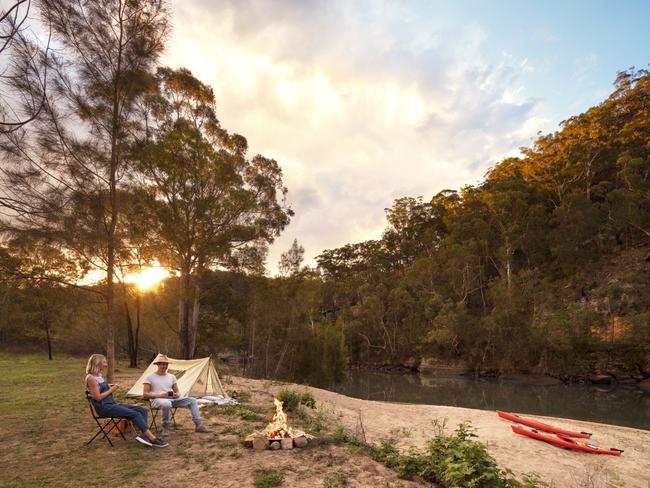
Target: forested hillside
column 541, row 268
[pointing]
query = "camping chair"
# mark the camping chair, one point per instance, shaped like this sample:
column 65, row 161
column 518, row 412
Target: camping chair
column 110, row 425
column 154, row 414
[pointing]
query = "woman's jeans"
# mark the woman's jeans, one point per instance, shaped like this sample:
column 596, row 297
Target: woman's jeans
column 134, row 413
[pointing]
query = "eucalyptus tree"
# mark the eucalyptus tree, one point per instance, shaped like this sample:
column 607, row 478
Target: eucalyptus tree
column 514, row 211
column 215, row 207
column 78, row 147
column 415, row 229
column 290, row 260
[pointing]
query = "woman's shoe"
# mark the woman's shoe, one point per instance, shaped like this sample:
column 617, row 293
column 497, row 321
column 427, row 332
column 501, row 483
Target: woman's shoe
column 143, row 440
column 158, row 443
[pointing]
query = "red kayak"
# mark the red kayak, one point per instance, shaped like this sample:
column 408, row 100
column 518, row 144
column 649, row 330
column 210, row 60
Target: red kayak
column 540, row 426
column 565, row 442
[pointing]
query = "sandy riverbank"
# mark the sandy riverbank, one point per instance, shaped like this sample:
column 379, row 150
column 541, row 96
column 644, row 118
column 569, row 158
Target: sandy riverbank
column 411, row 425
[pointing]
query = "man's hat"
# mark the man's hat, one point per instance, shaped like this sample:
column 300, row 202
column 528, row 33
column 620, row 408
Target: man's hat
column 161, row 358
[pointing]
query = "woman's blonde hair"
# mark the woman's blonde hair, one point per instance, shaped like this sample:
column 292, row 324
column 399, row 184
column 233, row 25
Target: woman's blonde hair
column 94, row 365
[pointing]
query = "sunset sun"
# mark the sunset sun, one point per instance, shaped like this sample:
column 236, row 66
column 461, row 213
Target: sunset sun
column 149, row 277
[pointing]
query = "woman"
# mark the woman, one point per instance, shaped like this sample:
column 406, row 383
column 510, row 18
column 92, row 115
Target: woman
column 101, row 396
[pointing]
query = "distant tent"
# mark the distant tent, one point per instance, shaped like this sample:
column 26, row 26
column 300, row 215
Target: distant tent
column 196, row 377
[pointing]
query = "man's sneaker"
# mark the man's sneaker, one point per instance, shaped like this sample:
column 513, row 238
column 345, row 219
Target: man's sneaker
column 158, row 443
column 143, row 440
column 166, row 432
column 202, row 429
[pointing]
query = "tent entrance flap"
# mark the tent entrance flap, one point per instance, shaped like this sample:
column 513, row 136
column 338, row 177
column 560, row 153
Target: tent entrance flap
column 195, row 377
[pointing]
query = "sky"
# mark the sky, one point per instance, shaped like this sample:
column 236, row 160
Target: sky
column 363, row 102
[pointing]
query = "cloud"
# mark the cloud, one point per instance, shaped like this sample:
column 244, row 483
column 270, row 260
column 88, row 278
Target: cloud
column 361, row 103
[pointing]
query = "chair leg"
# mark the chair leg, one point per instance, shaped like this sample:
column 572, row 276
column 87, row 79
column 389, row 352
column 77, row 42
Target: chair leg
column 117, row 426
column 154, row 413
column 101, row 431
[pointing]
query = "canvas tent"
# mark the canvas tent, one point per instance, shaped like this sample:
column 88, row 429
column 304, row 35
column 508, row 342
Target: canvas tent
column 196, row 377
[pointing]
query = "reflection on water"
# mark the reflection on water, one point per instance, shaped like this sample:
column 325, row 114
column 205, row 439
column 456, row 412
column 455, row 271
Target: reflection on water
column 620, row 406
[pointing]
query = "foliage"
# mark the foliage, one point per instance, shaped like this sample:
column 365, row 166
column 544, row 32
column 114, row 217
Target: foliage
column 453, row 461
column 343, row 436
column 308, row 400
column 292, row 399
column 457, row 460
column 267, row 477
column 319, row 422
column 290, row 260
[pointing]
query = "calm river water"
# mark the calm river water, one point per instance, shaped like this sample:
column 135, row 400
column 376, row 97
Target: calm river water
column 620, row 406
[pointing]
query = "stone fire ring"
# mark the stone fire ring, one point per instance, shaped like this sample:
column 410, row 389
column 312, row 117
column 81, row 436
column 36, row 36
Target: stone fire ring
column 260, row 441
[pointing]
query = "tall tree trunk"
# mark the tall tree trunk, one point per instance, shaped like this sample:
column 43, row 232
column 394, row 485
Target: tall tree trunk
column 266, row 356
column 115, row 161
column 508, row 265
column 183, row 314
column 279, row 361
column 110, row 313
column 196, row 309
column 132, row 344
column 251, row 354
column 253, row 326
column 4, row 311
column 136, row 339
column 49, row 340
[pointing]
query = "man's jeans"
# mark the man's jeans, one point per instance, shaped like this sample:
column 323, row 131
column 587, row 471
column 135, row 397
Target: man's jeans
column 166, row 404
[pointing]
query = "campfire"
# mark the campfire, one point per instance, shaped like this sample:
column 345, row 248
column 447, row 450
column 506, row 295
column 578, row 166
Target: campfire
column 278, row 427
column 278, row 434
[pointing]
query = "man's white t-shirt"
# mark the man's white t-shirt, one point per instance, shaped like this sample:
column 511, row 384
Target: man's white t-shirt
column 160, row 383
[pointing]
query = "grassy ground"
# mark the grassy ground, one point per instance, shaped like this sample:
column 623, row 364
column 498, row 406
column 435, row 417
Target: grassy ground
column 46, row 422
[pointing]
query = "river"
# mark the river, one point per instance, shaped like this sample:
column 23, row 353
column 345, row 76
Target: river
column 625, row 406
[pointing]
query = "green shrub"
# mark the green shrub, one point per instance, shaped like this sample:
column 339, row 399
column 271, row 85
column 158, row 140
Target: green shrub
column 407, row 466
column 458, row 460
column 307, row 399
column 452, row 461
column 319, row 422
column 267, row 477
column 292, row 399
column 342, row 436
column 386, row 453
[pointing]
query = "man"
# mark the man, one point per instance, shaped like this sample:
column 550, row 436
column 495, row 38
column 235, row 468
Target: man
column 161, row 388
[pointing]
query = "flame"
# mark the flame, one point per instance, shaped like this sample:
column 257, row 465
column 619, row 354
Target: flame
column 278, row 426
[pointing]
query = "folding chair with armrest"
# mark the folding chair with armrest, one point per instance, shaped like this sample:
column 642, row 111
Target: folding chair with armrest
column 111, row 424
column 154, row 414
